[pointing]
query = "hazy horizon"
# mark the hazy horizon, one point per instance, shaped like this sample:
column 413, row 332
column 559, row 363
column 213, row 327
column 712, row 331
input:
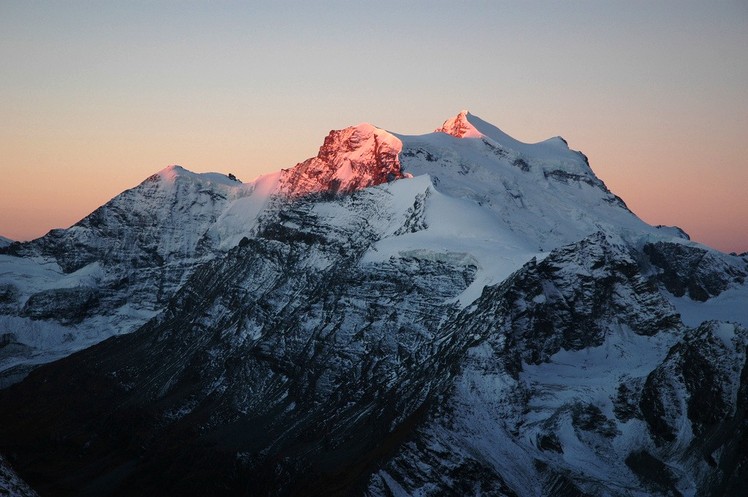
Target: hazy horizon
column 96, row 97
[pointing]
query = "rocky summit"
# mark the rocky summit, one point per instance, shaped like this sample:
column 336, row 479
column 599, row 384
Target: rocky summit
column 456, row 313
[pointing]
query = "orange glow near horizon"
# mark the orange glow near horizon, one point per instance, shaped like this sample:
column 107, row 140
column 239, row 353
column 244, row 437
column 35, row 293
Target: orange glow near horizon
column 57, row 187
column 93, row 101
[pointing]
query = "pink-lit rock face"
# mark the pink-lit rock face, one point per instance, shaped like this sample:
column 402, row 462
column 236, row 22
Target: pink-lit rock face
column 459, row 127
column 349, row 159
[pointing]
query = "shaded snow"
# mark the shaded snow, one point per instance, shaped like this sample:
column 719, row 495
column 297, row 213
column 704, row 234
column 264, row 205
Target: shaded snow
column 240, row 218
column 455, row 229
column 731, row 305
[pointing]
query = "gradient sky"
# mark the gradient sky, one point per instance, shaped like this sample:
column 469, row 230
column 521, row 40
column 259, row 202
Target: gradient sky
column 96, row 96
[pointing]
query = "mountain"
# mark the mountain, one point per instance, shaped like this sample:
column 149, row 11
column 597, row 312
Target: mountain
column 115, row 269
column 456, row 313
column 110, row 272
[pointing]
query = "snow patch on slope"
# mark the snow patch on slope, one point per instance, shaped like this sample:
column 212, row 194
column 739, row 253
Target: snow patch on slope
column 730, row 305
column 454, row 228
column 240, row 218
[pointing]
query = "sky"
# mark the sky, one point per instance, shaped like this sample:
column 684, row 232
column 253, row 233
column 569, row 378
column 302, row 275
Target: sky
column 96, row 96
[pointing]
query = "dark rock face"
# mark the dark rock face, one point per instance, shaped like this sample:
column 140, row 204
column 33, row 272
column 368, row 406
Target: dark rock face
column 626, row 402
column 660, row 411
column 693, row 271
column 589, row 417
column 67, row 305
column 653, row 473
column 694, row 398
column 697, row 381
column 567, row 301
column 8, row 299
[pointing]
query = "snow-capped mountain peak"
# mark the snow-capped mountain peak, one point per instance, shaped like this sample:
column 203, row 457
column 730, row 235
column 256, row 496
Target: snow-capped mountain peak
column 467, row 125
column 460, row 127
column 170, row 173
column 349, row 159
column 175, row 173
